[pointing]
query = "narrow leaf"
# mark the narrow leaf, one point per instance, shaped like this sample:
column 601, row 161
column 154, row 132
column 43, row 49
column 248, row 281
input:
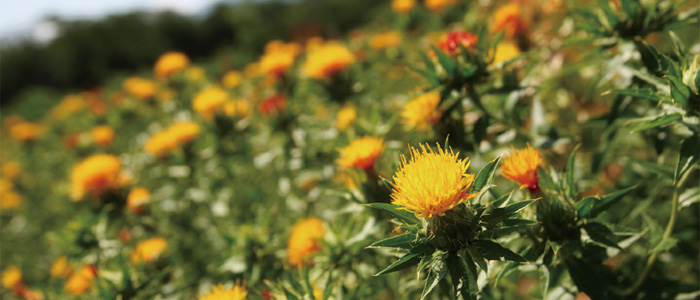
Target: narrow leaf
column 404, row 215
column 493, row 251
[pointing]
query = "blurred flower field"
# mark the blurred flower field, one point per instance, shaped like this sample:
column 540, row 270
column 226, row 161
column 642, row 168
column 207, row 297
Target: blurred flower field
column 531, row 149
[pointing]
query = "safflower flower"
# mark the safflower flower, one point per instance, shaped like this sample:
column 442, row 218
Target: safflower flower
column 402, row 6
column 95, row 175
column 170, row 63
column 346, row 116
column 421, row 112
column 361, row 153
column 209, row 101
column 219, row 292
column 232, row 79
column 102, row 135
column 303, row 242
column 137, row 198
column 140, row 88
column 327, row 60
column 385, row 40
column 521, row 166
column 148, row 250
column 81, row 281
column 450, row 44
column 26, row 131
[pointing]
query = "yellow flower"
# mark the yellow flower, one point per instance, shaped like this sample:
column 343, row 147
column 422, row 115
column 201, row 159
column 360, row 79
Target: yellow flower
column 60, row 268
column 140, row 88
column 26, row 131
column 505, row 51
column 208, row 101
column 431, row 183
column 521, row 166
column 232, row 79
column 421, row 112
column 438, row 5
column 403, row 6
column 102, row 135
column 195, row 74
column 10, row 200
column 385, row 40
column 81, row 280
column 219, row 292
column 303, row 242
column 327, row 60
column 170, row 63
column 95, row 175
column 361, row 153
column 184, row 132
column 138, row 196
column 11, row 277
column 277, row 62
column 160, row 144
column 69, row 105
column 509, row 18
column 148, row 250
column 346, row 117
column 237, row 107
column 10, row 170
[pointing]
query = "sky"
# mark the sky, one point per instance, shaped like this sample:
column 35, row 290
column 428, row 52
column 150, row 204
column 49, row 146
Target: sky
column 22, row 17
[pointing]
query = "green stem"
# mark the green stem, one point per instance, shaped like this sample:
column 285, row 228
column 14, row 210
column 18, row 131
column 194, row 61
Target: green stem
column 667, row 233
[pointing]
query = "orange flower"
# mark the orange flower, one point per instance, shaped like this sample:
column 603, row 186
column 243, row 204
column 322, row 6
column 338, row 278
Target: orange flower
column 177, row 134
column 138, row 196
column 421, row 112
column 81, row 280
column 273, row 104
column 26, row 131
column 10, row 170
column 60, row 268
column 184, row 132
column 327, row 60
column 303, row 242
column 95, row 175
column 170, row 63
column 102, row 135
column 148, row 250
column 232, row 79
column 450, row 44
column 278, row 57
column 11, row 277
column 140, row 88
column 209, row 101
column 69, row 105
column 402, row 6
column 361, row 153
column 521, row 166
column 438, row 5
column 509, row 18
column 385, row 40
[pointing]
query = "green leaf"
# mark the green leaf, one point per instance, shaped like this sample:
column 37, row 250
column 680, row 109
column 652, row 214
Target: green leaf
column 648, row 94
column 630, row 7
column 329, row 286
column 404, row 215
column 664, row 245
column 428, row 62
column 501, row 213
column 584, row 208
column 688, row 156
column 477, row 257
column 427, row 74
column 480, row 128
column 601, row 234
column 504, row 199
column 546, row 182
column 493, row 251
column 591, row 207
column 437, row 272
column 570, row 168
column 470, row 288
column 445, row 61
column 411, row 258
column 678, row 44
column 679, row 91
column 485, row 176
column 400, row 241
column 658, row 121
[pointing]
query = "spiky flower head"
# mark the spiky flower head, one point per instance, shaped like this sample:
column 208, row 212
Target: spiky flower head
column 102, row 135
column 438, row 5
column 328, row 59
column 421, row 112
column 303, row 242
column 431, row 183
column 521, row 166
column 170, row 63
column 95, row 175
column 361, row 153
column 81, row 281
column 509, row 18
column 450, row 43
column 140, row 88
column 148, row 250
column 219, row 292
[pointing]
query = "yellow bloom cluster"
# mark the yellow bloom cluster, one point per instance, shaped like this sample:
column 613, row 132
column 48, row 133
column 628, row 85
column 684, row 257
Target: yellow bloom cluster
column 239, row 108
column 219, row 292
column 60, row 268
column 102, row 135
column 346, row 117
column 69, row 105
column 328, row 59
column 181, row 133
column 505, row 51
column 421, row 112
column 170, row 63
column 232, row 79
column 148, row 250
column 137, row 198
column 303, row 241
column 361, row 153
column 431, row 183
column 141, row 88
column 26, row 131
column 278, row 57
column 521, row 167
column 81, row 281
column 209, row 101
column 95, row 175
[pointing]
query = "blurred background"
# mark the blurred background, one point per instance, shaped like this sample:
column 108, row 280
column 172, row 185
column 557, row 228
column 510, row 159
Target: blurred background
column 74, row 45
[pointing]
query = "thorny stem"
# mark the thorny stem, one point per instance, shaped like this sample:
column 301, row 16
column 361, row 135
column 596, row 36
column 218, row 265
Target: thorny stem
column 667, row 233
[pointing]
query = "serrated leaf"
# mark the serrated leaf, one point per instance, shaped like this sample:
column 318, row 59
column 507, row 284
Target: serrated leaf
column 501, row 213
column 679, row 91
column 437, row 272
column 601, row 234
column 658, row 121
column 584, row 208
column 445, row 61
column 406, row 261
column 478, row 258
column 688, row 156
column 471, row 288
column 404, row 215
column 403, row 241
column 485, row 176
column 678, row 44
column 598, row 207
column 493, row 251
